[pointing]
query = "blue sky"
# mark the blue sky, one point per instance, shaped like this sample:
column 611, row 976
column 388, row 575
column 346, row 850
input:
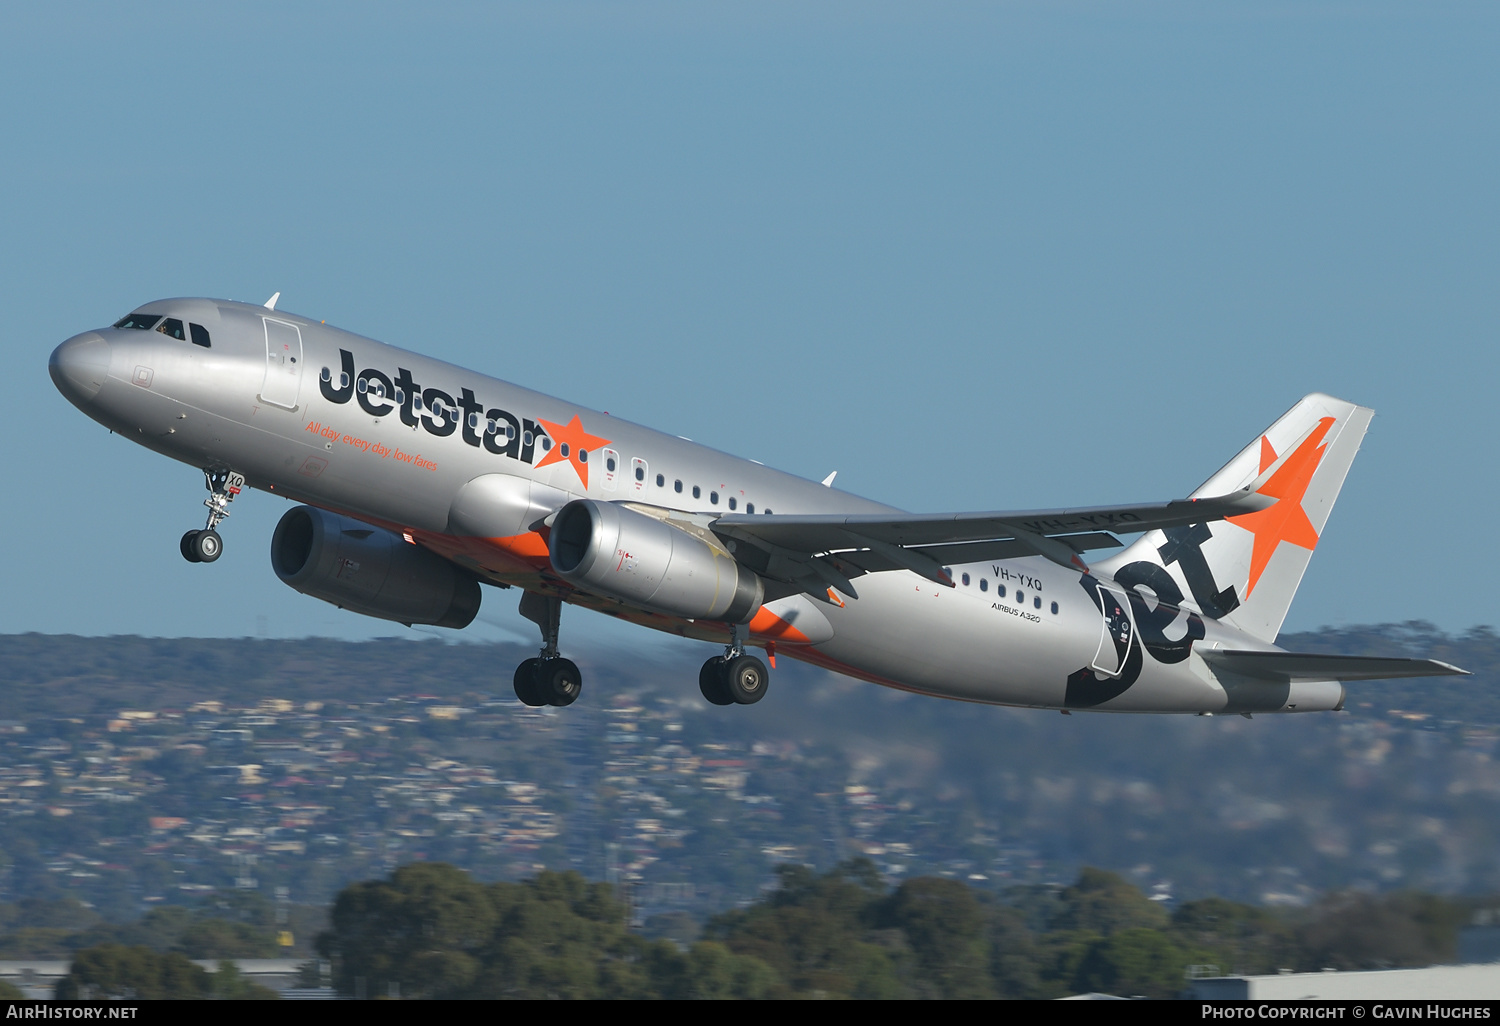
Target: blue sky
column 973, row 256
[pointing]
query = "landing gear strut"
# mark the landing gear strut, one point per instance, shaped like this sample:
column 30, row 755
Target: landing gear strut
column 548, row 679
column 205, row 546
column 734, row 678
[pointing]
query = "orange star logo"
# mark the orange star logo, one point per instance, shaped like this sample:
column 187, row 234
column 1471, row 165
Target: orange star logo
column 1286, row 521
column 571, row 443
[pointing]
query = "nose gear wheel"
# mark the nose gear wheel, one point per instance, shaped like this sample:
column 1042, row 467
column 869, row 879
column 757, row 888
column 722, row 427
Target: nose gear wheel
column 206, row 545
column 201, row 546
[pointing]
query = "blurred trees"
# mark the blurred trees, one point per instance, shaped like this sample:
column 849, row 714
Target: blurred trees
column 118, row 971
column 842, row 935
column 817, row 932
column 1363, row 931
column 236, row 924
column 115, row 971
column 433, row 931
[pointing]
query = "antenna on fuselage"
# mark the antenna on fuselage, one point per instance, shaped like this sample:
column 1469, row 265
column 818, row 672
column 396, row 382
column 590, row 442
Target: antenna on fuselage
column 271, row 303
column 828, row 481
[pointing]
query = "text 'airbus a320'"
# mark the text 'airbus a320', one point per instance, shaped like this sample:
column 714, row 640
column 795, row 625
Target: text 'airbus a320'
column 422, row 481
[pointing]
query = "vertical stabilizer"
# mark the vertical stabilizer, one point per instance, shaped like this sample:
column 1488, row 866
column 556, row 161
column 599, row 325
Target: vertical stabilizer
column 1245, row 570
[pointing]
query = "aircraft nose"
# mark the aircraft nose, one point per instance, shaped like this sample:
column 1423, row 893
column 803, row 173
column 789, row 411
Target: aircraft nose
column 78, row 366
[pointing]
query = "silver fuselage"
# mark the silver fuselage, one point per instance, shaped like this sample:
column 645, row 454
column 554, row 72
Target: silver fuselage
column 257, row 401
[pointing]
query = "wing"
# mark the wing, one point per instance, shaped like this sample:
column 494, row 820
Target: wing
column 819, row 552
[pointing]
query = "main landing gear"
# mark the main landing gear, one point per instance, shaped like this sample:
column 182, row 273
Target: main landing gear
column 548, row 679
column 734, row 678
column 205, row 546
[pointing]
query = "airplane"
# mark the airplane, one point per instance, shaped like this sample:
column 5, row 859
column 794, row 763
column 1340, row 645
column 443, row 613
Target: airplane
column 419, row 482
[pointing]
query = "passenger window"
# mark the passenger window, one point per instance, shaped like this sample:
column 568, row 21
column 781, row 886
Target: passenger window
column 640, row 473
column 1054, row 609
column 750, row 508
column 1036, row 602
column 564, row 450
column 139, row 321
column 731, row 502
column 697, row 492
column 609, row 464
column 172, row 327
column 546, row 443
column 1000, row 590
column 966, row 580
column 200, row 335
column 1021, row 597
column 768, row 512
column 984, row 584
column 661, row 480
column 677, row 487
column 713, row 497
column 583, row 455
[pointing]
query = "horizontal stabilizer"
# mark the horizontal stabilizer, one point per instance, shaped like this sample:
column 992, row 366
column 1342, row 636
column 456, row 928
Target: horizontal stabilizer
column 1294, row 666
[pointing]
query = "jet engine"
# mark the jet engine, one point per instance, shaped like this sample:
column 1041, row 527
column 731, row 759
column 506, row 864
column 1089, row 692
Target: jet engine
column 615, row 551
column 370, row 570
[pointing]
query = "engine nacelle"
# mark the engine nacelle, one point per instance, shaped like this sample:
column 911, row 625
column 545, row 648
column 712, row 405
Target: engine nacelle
column 614, row 551
column 370, row 570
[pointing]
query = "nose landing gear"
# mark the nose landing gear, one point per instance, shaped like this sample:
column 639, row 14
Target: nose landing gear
column 734, row 678
column 205, row 546
column 548, row 679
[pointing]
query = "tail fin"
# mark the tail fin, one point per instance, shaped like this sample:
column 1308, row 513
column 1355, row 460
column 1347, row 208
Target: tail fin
column 1245, row 570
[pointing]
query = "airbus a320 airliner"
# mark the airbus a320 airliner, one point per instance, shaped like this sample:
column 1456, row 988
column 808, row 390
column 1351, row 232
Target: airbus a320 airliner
column 420, row 481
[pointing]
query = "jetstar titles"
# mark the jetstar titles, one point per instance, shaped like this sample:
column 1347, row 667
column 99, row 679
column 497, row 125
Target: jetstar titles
column 439, row 413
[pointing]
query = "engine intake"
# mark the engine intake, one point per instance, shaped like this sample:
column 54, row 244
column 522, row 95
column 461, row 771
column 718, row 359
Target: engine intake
column 614, row 551
column 370, row 570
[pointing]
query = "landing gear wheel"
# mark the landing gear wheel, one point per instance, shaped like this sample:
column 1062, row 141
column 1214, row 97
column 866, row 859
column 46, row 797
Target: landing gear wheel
column 526, row 684
column 745, row 679
column 558, row 681
column 712, row 683
column 206, row 546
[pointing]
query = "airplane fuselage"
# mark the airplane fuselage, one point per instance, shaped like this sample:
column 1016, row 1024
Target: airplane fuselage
column 423, row 448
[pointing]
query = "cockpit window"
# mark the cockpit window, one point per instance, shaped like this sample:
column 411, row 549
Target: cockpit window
column 200, row 335
column 139, row 321
column 173, row 327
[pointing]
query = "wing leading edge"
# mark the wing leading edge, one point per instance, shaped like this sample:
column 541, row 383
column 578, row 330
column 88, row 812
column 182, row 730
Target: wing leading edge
column 818, row 552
